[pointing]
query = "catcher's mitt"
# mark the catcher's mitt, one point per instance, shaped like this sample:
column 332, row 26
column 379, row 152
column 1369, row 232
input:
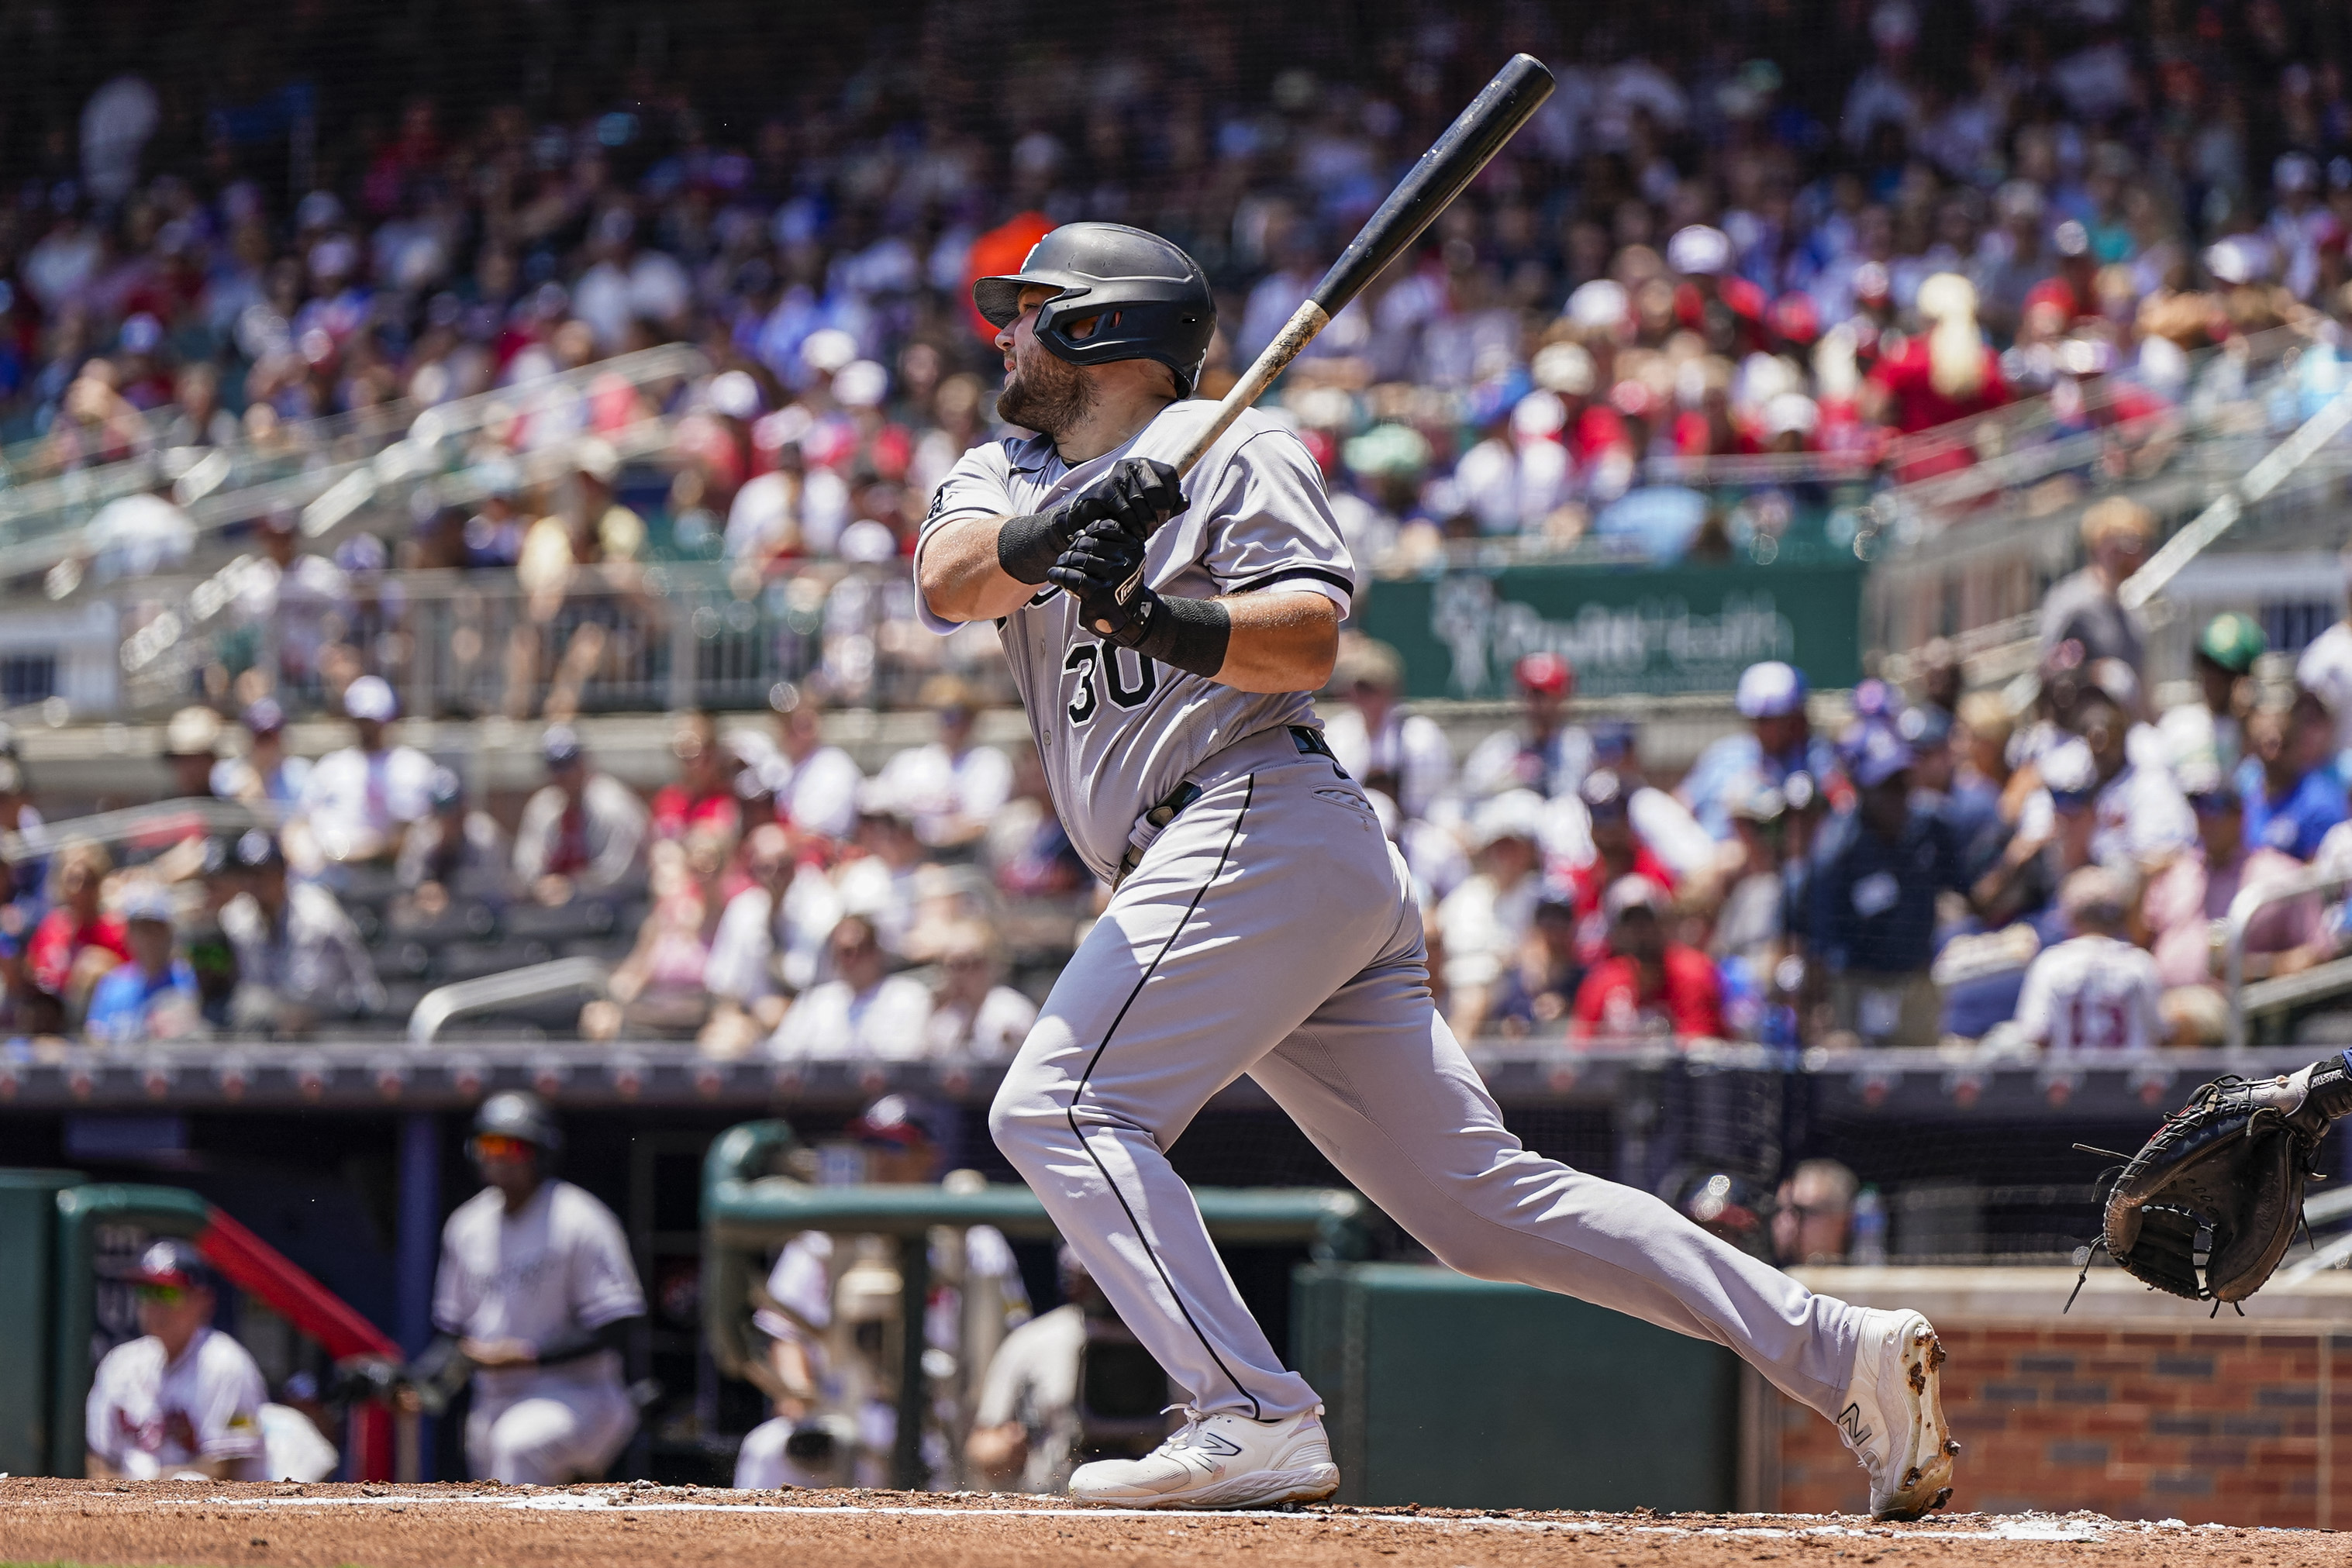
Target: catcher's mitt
column 2233, row 1161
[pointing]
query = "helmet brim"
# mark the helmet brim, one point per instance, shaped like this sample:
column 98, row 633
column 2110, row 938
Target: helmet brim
column 998, row 299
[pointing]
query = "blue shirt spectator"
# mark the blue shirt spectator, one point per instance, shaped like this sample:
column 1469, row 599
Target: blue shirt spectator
column 1779, row 741
column 2289, row 782
column 131, row 1005
column 1877, row 868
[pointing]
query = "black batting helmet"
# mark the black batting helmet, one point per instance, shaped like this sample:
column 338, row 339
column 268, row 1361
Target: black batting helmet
column 515, row 1114
column 1148, row 300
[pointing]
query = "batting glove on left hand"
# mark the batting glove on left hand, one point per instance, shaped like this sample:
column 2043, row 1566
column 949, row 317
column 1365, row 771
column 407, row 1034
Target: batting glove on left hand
column 1142, row 493
column 1103, row 570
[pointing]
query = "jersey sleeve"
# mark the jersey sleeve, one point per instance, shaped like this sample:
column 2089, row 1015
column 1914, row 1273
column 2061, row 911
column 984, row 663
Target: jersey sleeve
column 1269, row 524
column 977, row 486
column 227, row 1418
column 603, row 1281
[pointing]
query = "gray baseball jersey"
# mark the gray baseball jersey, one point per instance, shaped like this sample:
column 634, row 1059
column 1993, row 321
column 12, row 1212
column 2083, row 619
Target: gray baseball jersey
column 1117, row 731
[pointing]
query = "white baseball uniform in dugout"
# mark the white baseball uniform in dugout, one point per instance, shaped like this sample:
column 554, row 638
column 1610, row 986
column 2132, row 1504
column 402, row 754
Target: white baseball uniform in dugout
column 558, row 1267
column 150, row 1420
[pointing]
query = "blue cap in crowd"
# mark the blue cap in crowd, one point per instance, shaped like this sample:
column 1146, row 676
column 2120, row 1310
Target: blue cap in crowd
column 1876, row 755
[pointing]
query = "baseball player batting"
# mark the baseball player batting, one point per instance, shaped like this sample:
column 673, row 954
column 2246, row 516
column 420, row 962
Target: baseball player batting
column 1164, row 643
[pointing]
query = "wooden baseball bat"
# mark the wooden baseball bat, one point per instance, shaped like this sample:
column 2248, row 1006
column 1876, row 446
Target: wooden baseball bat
column 1442, row 173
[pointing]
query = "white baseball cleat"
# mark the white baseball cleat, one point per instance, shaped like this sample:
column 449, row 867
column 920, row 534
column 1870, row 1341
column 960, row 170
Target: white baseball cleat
column 1894, row 1414
column 1219, row 1461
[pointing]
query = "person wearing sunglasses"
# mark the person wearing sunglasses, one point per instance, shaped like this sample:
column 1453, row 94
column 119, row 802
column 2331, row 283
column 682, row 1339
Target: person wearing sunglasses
column 535, row 1302
column 182, row 1400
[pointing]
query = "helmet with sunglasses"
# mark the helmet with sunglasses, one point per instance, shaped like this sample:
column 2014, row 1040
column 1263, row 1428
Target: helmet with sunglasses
column 520, row 1116
column 1148, row 300
column 171, row 1264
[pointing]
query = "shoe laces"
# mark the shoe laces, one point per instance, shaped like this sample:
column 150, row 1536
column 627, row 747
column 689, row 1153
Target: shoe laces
column 1183, row 1438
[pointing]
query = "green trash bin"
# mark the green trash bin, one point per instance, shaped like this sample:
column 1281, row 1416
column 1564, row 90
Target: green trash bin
column 1456, row 1392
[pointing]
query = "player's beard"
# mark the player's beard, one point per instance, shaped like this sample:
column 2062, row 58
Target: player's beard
column 1045, row 394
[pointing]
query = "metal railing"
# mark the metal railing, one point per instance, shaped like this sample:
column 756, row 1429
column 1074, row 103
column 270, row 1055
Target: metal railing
column 533, row 982
column 2316, row 984
column 323, row 467
column 621, row 638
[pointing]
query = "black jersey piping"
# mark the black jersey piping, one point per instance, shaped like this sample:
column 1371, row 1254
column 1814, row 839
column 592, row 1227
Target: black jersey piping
column 1286, row 574
column 1257, row 1411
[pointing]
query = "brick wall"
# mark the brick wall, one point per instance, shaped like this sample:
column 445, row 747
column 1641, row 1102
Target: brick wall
column 2236, row 1423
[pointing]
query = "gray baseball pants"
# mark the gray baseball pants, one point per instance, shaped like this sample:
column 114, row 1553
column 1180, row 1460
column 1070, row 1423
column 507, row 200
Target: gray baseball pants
column 1270, row 929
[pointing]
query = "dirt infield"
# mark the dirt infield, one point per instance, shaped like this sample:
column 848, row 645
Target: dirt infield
column 487, row 1526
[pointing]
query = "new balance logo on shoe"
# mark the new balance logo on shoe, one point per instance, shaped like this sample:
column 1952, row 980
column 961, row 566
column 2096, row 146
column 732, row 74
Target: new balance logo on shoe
column 1851, row 1419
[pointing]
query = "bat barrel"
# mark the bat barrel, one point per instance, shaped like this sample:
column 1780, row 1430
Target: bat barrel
column 1502, row 106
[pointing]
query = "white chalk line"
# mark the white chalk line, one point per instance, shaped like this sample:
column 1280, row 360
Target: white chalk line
column 2022, row 1528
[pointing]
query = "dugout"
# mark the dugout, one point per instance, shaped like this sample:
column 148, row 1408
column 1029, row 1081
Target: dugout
column 65, row 1243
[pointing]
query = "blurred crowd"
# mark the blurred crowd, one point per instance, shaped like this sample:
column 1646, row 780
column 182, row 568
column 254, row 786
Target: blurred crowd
column 771, row 898
column 1809, row 230
column 1941, row 869
column 1933, row 867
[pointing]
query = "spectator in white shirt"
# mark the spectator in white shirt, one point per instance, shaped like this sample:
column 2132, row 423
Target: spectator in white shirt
column 973, row 1015
column 1402, row 755
column 2143, row 817
column 2095, row 991
column 816, row 785
column 1546, row 753
column 583, row 833
column 2324, row 668
column 865, row 1014
column 357, row 800
column 770, row 943
column 1484, row 922
column 883, row 881
column 951, row 787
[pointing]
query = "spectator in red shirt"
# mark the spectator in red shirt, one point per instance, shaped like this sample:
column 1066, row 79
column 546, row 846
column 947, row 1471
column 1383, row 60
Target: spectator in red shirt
column 1649, row 984
column 1712, row 301
column 1618, row 853
column 2073, row 288
column 703, row 796
column 75, row 943
column 1945, row 374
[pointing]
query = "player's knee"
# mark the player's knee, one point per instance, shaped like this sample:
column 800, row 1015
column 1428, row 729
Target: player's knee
column 1017, row 1119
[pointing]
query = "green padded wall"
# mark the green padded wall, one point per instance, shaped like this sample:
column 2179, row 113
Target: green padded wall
column 28, row 1227
column 1456, row 1392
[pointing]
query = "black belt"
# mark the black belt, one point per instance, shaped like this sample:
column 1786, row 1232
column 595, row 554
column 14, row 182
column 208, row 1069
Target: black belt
column 1310, row 743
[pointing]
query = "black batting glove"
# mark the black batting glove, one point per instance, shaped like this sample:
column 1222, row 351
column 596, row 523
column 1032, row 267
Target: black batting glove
column 1103, row 570
column 1142, row 494
column 1139, row 494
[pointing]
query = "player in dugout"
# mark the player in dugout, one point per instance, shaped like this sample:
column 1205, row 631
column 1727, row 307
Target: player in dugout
column 1166, row 638
column 534, row 1302
column 182, row 1400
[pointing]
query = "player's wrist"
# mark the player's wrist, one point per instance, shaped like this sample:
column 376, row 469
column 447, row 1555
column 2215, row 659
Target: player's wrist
column 1028, row 548
column 1188, row 635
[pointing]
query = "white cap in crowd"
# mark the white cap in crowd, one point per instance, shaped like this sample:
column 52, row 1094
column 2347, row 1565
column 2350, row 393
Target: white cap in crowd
column 1700, row 249
column 1769, row 690
column 1513, row 814
column 369, row 697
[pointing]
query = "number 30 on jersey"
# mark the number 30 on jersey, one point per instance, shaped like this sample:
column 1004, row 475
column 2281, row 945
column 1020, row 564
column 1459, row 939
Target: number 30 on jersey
column 1101, row 666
